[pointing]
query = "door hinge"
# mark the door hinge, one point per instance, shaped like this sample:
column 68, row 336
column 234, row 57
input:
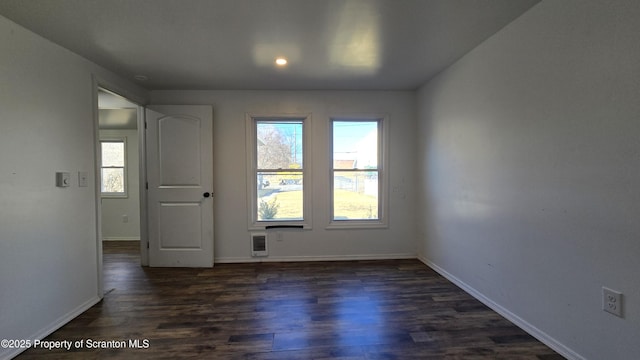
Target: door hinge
column 147, row 244
column 145, row 125
column 147, row 186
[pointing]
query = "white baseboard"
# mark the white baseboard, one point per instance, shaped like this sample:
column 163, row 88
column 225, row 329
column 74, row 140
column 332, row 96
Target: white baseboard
column 228, row 260
column 121, row 238
column 57, row 324
column 518, row 321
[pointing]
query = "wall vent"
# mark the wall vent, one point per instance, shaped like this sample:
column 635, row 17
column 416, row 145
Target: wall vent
column 259, row 245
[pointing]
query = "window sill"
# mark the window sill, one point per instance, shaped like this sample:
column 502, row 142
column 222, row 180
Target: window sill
column 262, row 226
column 114, row 196
column 356, row 224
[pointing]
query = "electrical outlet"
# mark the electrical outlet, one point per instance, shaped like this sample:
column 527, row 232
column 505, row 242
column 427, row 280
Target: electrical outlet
column 125, row 218
column 612, row 301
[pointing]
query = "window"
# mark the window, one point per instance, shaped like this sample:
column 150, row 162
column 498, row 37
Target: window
column 279, row 171
column 357, row 177
column 113, row 173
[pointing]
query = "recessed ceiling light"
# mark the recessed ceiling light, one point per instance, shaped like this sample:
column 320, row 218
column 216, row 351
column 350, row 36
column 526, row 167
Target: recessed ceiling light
column 281, row 61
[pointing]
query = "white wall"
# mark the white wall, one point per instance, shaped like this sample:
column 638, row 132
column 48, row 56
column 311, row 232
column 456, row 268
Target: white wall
column 113, row 209
column 230, row 171
column 530, row 173
column 48, row 252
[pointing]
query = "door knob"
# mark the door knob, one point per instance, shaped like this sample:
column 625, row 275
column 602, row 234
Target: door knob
column 206, row 194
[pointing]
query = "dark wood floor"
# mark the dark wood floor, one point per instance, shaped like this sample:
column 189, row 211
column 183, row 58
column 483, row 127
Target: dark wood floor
column 396, row 309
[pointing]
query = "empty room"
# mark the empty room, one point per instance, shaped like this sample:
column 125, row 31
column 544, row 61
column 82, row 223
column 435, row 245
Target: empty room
column 320, row 179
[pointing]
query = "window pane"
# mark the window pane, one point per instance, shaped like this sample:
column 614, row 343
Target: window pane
column 112, row 180
column 355, row 144
column 279, row 145
column 279, row 196
column 113, row 154
column 355, row 195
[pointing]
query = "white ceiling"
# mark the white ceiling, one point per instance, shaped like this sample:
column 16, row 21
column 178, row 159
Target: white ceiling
column 109, row 100
column 232, row 44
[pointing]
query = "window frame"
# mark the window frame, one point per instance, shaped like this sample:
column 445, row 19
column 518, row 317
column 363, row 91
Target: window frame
column 252, row 170
column 383, row 175
column 125, row 193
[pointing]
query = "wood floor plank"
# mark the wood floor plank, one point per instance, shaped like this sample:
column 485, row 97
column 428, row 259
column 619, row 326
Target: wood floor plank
column 351, row 310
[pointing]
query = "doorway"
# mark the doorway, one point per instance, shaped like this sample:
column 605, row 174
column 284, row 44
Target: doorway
column 118, row 175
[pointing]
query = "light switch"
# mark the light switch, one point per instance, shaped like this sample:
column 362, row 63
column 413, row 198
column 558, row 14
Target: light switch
column 63, row 179
column 83, row 178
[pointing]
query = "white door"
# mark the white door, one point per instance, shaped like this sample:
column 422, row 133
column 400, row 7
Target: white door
column 179, row 142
